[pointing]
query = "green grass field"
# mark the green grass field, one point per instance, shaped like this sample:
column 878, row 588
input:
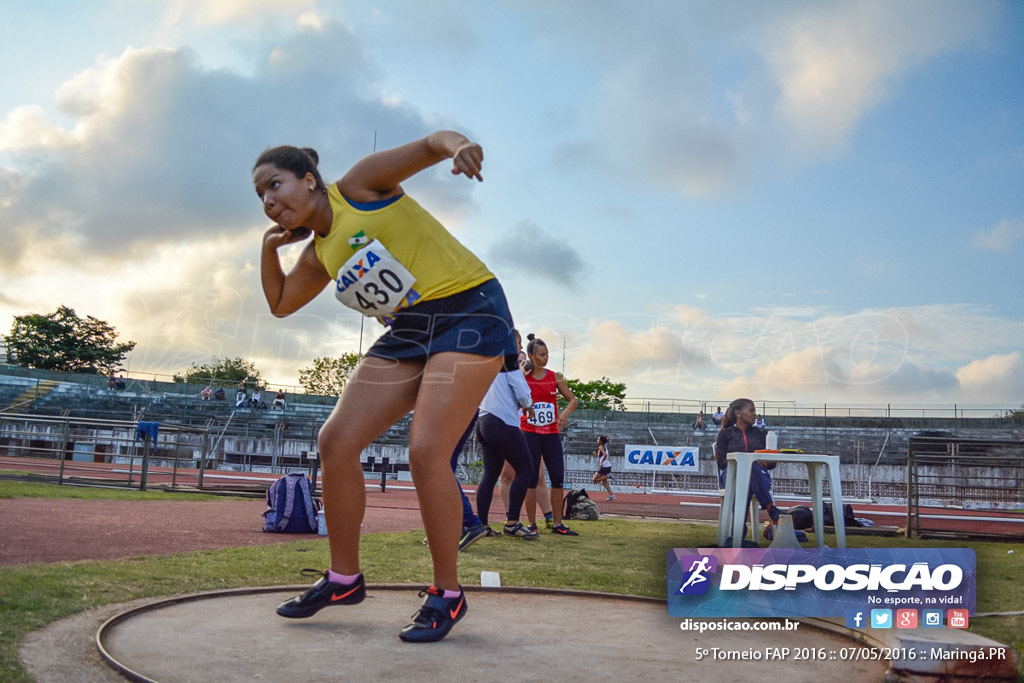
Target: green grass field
column 612, row 555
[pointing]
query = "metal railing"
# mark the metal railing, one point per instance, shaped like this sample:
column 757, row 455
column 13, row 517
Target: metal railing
column 801, row 409
column 971, row 474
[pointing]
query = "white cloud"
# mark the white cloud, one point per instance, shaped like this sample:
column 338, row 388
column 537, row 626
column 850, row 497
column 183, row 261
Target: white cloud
column 835, row 62
column 141, row 210
column 705, row 101
column 161, row 149
column 185, row 304
column 615, row 351
column 27, row 127
column 996, row 379
column 792, row 354
column 223, row 12
column 1001, row 237
column 824, row 374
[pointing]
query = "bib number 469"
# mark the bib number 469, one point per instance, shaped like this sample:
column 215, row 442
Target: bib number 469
column 543, row 414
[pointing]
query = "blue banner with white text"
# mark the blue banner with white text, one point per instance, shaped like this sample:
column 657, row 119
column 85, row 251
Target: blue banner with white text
column 826, row 582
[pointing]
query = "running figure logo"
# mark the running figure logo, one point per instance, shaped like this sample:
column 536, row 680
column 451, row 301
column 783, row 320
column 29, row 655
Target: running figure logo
column 696, row 580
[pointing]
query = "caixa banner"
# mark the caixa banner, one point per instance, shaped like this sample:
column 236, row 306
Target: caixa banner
column 668, row 459
column 787, row 582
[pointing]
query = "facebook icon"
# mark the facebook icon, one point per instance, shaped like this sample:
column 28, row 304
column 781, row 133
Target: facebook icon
column 855, row 618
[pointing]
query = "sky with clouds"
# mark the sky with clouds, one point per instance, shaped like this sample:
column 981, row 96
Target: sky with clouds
column 820, row 202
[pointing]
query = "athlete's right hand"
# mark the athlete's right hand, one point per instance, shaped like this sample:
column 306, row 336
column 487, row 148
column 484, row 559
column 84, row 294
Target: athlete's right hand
column 276, row 237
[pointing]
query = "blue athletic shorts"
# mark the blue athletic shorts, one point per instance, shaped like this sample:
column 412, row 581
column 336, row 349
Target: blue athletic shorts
column 475, row 321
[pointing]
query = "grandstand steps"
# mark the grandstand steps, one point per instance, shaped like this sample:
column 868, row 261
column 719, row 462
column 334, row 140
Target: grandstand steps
column 37, row 391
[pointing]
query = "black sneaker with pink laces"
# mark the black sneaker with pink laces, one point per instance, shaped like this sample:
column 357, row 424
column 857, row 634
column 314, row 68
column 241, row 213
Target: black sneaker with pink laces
column 323, row 594
column 435, row 617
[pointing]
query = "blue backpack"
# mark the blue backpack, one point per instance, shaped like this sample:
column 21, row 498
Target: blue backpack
column 291, row 508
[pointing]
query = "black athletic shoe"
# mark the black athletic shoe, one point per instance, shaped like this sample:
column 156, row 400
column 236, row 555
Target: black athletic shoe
column 517, row 530
column 563, row 530
column 472, row 535
column 322, row 594
column 435, row 617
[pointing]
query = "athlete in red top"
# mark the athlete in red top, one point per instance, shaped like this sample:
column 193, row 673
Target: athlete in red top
column 542, row 432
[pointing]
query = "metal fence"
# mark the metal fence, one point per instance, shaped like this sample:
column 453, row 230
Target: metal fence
column 971, row 474
column 120, row 453
column 825, row 410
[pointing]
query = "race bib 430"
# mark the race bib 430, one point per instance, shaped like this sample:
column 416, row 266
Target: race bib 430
column 373, row 281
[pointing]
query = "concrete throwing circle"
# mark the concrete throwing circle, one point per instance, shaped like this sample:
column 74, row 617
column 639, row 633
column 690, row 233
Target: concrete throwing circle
column 507, row 634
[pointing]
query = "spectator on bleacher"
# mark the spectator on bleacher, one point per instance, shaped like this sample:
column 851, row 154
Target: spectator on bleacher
column 256, row 396
column 219, row 394
column 206, row 393
column 240, row 397
column 279, row 399
column 699, row 422
column 759, row 422
column 111, row 384
column 717, row 416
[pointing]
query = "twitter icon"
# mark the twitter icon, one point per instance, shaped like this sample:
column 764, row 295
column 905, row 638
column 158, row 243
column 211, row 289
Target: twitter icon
column 881, row 618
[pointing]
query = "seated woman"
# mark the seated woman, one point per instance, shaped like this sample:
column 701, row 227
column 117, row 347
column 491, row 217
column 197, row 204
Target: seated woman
column 739, row 435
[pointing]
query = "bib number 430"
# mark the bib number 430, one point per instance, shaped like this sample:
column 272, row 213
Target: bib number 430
column 373, row 281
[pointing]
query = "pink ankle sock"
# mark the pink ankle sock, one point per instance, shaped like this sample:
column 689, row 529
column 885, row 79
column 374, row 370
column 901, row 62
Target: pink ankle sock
column 448, row 595
column 344, row 579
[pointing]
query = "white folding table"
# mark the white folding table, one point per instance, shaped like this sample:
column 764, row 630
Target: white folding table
column 737, row 484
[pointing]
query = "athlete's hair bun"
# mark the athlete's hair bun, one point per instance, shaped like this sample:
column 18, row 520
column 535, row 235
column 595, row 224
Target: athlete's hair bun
column 312, row 155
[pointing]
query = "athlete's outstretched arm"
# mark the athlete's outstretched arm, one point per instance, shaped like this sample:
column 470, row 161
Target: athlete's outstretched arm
column 380, row 175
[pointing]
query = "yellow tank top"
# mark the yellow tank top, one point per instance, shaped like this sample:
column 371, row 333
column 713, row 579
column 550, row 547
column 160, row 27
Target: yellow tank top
column 438, row 261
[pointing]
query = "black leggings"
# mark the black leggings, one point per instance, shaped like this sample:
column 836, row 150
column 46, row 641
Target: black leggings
column 547, row 447
column 501, row 443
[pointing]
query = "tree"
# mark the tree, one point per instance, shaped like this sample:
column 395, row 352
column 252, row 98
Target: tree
column 599, row 394
column 231, row 371
column 328, row 376
column 64, row 342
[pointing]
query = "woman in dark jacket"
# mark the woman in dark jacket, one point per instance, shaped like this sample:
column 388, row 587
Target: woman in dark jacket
column 739, row 435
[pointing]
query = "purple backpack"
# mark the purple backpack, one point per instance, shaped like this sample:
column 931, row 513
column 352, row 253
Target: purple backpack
column 291, row 508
